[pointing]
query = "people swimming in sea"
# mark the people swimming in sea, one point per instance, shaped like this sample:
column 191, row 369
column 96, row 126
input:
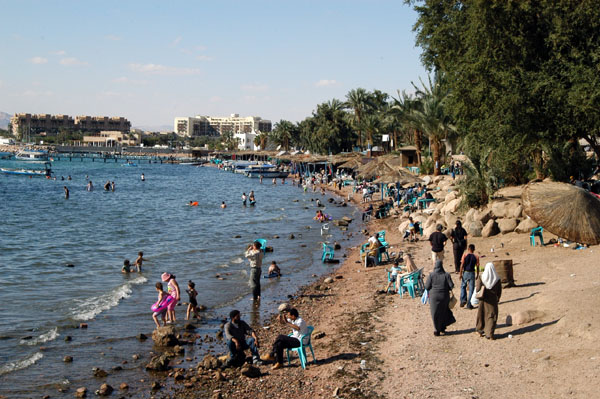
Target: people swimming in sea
column 193, row 203
column 193, row 303
column 274, row 270
column 90, row 186
column 107, row 185
column 223, row 205
column 66, row 192
column 69, row 177
column 320, row 216
column 274, row 181
column 126, row 266
column 260, row 178
column 244, row 199
column 143, row 177
column 112, row 186
column 139, row 260
column 319, row 203
column 62, row 178
column 251, row 198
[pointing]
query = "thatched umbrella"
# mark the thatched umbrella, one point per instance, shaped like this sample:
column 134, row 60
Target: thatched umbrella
column 353, row 163
column 396, row 175
column 565, row 210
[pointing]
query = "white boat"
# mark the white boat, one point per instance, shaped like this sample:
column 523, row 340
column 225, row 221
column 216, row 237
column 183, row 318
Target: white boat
column 29, row 172
column 31, row 155
column 265, row 170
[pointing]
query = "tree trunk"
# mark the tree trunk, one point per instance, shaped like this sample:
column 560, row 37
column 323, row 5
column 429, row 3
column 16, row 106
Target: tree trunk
column 538, row 161
column 592, row 140
column 418, row 143
column 437, row 156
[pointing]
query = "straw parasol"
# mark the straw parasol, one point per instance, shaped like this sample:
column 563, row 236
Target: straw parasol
column 395, row 175
column 565, row 210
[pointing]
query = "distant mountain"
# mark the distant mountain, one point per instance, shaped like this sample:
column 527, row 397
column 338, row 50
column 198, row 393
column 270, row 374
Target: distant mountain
column 4, row 120
column 155, row 128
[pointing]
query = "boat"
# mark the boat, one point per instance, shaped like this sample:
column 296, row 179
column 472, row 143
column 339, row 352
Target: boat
column 129, row 164
column 31, row 155
column 265, row 170
column 47, row 172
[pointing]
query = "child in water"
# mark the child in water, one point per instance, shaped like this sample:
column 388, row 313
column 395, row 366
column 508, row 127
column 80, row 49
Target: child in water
column 161, row 297
column 139, row 260
column 193, row 304
column 126, row 266
column 274, row 270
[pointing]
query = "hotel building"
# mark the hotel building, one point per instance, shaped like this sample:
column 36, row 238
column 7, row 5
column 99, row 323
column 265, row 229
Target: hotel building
column 215, row 125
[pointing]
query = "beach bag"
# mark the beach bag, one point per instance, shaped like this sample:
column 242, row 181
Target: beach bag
column 479, row 294
column 453, row 300
column 425, row 297
column 474, row 300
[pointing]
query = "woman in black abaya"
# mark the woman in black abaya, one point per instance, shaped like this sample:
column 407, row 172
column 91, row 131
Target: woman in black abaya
column 439, row 284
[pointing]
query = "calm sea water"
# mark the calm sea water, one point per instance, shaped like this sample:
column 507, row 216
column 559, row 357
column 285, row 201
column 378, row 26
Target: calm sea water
column 44, row 300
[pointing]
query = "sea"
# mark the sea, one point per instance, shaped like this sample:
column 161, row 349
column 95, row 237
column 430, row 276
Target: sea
column 61, row 259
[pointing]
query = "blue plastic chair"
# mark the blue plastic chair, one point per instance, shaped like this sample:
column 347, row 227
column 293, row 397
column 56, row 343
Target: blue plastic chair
column 536, row 232
column 328, row 252
column 382, row 251
column 263, row 244
column 382, row 240
column 305, row 342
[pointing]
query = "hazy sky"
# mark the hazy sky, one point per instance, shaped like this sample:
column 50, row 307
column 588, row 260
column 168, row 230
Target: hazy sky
column 150, row 61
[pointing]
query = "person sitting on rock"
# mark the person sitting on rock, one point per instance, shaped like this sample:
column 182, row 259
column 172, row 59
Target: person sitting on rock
column 235, row 333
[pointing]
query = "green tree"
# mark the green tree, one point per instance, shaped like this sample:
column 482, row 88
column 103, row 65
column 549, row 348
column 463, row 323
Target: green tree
column 284, row 133
column 358, row 101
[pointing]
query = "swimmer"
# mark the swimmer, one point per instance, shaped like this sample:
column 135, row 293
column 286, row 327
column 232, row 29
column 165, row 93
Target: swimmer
column 62, row 178
column 66, row 192
column 161, row 296
column 223, row 205
column 139, row 260
column 319, row 203
column 143, row 177
column 126, row 266
column 90, row 186
column 107, row 185
column 112, row 186
column 193, row 203
column 244, row 198
column 274, row 270
column 69, row 177
column 274, row 181
column 283, row 180
column 193, row 303
column 322, row 190
column 260, row 178
column 251, row 198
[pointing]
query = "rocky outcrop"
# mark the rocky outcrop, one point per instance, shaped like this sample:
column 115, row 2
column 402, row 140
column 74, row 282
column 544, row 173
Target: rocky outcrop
column 474, row 228
column 165, row 336
column 490, row 229
column 507, row 225
column 158, row 363
column 104, row 390
column 526, row 225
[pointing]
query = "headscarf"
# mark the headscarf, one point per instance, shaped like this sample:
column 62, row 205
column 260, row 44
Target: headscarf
column 439, row 267
column 489, row 277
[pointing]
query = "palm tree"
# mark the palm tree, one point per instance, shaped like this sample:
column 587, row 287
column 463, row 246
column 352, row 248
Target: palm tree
column 371, row 124
column 283, row 133
column 261, row 140
column 432, row 117
column 403, row 109
column 358, row 101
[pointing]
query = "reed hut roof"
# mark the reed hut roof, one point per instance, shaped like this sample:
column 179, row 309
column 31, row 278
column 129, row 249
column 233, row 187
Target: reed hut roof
column 565, row 210
column 397, row 175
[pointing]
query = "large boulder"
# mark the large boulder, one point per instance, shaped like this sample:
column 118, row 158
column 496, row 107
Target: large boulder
column 158, row 363
column 502, row 209
column 516, row 211
column 403, row 226
column 485, row 216
column 452, row 195
column 452, row 206
column 431, row 220
column 450, row 220
column 471, row 215
column 165, row 336
column 426, row 180
column 526, row 225
column 523, row 317
column 427, row 232
column 490, row 229
column 507, row 225
column 474, row 228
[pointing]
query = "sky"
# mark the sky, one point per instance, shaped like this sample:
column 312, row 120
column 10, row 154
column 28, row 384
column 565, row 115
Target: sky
column 152, row 61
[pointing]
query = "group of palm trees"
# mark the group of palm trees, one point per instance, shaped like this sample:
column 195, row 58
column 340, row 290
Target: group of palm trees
column 421, row 119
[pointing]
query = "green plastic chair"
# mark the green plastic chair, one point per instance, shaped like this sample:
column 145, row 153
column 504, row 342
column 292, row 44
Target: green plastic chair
column 538, row 231
column 382, row 239
column 410, row 284
column 305, row 342
column 328, row 252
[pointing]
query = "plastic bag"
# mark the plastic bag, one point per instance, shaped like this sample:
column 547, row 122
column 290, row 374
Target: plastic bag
column 474, row 300
column 425, row 297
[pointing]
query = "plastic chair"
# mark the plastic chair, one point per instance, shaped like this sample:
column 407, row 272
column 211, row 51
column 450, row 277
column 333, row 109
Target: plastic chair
column 410, row 284
column 382, row 251
column 263, row 244
column 305, row 342
column 381, row 237
column 328, row 252
column 536, row 232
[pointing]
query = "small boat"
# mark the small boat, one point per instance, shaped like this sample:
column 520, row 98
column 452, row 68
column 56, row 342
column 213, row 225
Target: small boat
column 47, row 172
column 267, row 171
column 129, row 164
column 31, row 155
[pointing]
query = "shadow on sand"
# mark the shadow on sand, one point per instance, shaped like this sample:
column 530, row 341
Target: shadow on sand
column 520, row 299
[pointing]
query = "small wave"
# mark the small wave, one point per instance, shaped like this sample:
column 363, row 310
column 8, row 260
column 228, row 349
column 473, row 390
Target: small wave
column 89, row 308
column 48, row 336
column 237, row 260
column 21, row 364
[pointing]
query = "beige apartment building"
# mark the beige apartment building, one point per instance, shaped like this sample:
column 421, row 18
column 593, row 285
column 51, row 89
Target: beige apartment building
column 111, row 139
column 216, row 125
column 32, row 124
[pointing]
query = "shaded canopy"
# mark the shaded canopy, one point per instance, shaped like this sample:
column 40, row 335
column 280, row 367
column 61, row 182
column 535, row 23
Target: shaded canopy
column 396, row 175
column 565, row 210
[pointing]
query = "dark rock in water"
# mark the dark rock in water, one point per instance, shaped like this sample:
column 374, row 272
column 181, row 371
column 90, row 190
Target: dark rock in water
column 303, row 245
column 291, row 237
column 68, row 359
column 81, row 392
column 330, row 200
column 83, row 325
column 26, row 338
column 237, row 236
column 158, row 363
column 104, row 390
column 344, row 204
column 165, row 336
column 189, row 327
column 269, row 249
column 117, row 368
column 69, row 265
column 337, row 245
column 332, row 261
column 210, row 362
column 155, row 386
column 250, row 371
column 68, row 338
column 123, row 386
column 275, row 236
column 135, row 356
column 202, row 308
column 142, row 337
column 99, row 373
column 339, row 277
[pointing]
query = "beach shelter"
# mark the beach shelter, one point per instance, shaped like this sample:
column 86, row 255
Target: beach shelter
column 565, row 210
column 395, row 175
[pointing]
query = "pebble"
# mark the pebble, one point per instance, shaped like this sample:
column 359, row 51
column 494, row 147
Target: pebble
column 68, row 359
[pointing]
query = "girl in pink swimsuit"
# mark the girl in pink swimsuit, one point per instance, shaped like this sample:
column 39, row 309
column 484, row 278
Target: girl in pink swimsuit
column 173, row 290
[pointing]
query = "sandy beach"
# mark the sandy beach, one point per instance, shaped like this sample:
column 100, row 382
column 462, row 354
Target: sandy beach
column 377, row 345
